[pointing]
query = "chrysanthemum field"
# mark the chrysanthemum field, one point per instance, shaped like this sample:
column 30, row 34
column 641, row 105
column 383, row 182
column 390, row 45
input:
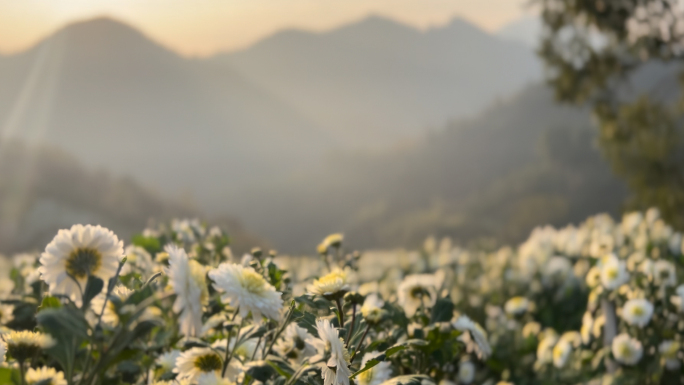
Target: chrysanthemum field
column 599, row 303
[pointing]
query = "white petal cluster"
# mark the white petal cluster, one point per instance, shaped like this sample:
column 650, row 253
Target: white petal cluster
column 243, row 287
column 332, row 355
column 75, row 254
column 188, row 281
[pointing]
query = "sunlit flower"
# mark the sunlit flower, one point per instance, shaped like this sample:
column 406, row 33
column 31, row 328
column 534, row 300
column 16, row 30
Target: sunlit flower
column 474, row 336
column 193, row 362
column 377, row 374
column 333, row 357
column 75, row 254
column 593, row 278
column 587, row 325
column 466, row 372
column 417, row 291
column 137, row 260
column 531, row 329
column 332, row 240
column 613, row 273
column 23, row 345
column 6, row 313
column 296, row 344
column 637, row 312
column 561, row 353
column 45, row 376
column 372, row 310
column 545, row 348
column 668, row 351
column 332, row 286
column 627, row 350
column 243, row 287
column 517, row 305
column 188, row 280
column 167, row 361
column 664, row 273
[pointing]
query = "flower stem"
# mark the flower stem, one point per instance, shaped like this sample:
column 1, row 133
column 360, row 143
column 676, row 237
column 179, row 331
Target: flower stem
column 351, row 328
column 22, row 370
column 340, row 312
column 358, row 348
column 229, row 352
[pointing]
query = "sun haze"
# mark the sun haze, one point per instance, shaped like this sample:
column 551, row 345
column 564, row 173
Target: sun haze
column 203, row 27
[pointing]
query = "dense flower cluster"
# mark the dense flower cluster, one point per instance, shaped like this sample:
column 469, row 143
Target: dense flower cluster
column 599, row 303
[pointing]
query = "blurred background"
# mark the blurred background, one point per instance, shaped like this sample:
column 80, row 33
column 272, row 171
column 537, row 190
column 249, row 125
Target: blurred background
column 388, row 120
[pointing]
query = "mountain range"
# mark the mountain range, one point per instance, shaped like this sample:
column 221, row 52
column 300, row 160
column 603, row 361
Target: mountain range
column 377, row 129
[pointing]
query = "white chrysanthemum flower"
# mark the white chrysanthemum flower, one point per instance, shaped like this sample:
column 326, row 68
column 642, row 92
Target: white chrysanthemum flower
column 243, row 287
column 167, row 361
column 193, row 362
column 517, row 305
column 415, row 291
column 593, row 278
column 296, row 344
column 664, row 273
column 23, row 345
column 474, row 336
column 188, row 280
column 44, row 376
column 333, row 357
column 75, row 254
column 531, row 329
column 668, row 351
column 332, row 240
column 3, row 350
column 6, row 287
column 137, row 260
column 561, row 353
column 213, row 379
column 466, row 372
column 372, row 310
column 678, row 300
column 587, row 325
column 377, row 374
column 637, row 312
column 332, row 285
column 613, row 273
column 627, row 350
column 6, row 314
column 109, row 317
column 545, row 348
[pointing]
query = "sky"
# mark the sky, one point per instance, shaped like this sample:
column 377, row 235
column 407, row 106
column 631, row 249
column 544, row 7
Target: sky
column 204, row 27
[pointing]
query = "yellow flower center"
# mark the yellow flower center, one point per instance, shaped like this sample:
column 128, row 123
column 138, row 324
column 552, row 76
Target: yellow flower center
column 625, row 351
column 83, row 261
column 612, row 273
column 252, row 282
column 208, row 363
column 638, row 311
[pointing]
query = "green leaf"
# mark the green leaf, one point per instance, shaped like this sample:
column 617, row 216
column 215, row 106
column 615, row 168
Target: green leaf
column 63, row 322
column 281, row 366
column 50, row 302
column 443, row 310
column 260, row 370
column 370, row 364
column 93, row 288
column 9, row 376
column 150, row 244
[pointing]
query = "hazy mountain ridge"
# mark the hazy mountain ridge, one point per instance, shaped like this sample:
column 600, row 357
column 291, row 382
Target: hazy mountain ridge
column 43, row 190
column 382, row 75
column 519, row 163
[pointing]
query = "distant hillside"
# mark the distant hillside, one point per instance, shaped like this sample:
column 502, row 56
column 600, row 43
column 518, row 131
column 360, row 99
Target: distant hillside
column 103, row 92
column 214, row 128
column 376, row 80
column 519, row 163
column 43, row 190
